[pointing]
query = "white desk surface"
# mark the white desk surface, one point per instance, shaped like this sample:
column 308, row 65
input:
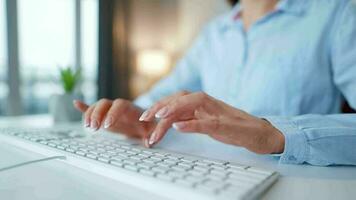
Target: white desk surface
column 57, row 180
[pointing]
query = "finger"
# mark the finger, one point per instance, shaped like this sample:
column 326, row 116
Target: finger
column 118, row 108
column 99, row 113
column 183, row 106
column 79, row 105
column 207, row 126
column 149, row 114
column 158, row 133
column 87, row 115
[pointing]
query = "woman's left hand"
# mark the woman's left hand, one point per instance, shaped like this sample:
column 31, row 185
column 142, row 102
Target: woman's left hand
column 199, row 112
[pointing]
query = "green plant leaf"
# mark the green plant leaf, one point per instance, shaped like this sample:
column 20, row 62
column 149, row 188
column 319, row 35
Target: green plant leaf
column 69, row 79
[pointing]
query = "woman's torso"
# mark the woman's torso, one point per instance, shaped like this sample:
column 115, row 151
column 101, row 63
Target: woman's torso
column 281, row 66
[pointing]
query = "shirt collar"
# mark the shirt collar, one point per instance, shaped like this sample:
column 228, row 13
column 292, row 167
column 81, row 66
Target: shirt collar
column 294, row 7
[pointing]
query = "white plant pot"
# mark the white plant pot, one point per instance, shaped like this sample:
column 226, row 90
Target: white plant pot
column 62, row 109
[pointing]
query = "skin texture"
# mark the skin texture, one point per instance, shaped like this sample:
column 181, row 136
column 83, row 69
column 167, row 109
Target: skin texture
column 199, row 112
column 116, row 116
column 187, row 112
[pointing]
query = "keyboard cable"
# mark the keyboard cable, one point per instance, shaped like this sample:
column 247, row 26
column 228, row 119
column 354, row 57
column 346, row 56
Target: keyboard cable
column 31, row 162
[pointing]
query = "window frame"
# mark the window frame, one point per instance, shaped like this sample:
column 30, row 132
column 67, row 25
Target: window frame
column 14, row 105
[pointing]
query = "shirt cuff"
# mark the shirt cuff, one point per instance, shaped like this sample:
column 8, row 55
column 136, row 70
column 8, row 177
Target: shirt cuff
column 143, row 102
column 295, row 148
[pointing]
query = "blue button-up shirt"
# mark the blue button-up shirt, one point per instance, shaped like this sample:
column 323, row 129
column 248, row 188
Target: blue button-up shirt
column 293, row 67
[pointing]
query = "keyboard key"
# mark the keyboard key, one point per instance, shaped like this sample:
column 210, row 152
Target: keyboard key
column 82, row 153
column 147, row 172
column 103, row 159
column 186, row 165
column 160, row 169
column 145, row 165
column 191, row 160
column 117, row 163
column 61, row 147
column 165, row 177
column 70, row 150
column 184, row 182
column 260, row 171
column 161, row 154
column 131, row 167
column 92, row 156
column 179, row 168
column 130, row 162
column 51, row 144
column 215, row 162
column 235, row 166
column 176, row 174
column 195, row 179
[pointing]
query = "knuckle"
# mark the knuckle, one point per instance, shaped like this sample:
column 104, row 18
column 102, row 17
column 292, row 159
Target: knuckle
column 89, row 111
column 201, row 95
column 158, row 105
column 103, row 101
column 96, row 115
column 119, row 101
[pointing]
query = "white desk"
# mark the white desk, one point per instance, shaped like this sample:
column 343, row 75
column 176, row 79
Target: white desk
column 56, row 180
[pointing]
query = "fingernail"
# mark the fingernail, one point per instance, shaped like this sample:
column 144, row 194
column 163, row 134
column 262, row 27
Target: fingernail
column 143, row 116
column 86, row 123
column 94, row 125
column 152, row 138
column 108, row 122
column 178, row 126
column 161, row 113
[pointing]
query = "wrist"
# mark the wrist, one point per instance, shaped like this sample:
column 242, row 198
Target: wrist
column 275, row 140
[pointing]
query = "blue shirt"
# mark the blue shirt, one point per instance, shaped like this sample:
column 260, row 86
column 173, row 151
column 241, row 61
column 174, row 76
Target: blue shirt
column 293, row 67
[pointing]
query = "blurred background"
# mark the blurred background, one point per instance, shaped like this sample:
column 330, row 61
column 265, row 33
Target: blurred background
column 121, row 46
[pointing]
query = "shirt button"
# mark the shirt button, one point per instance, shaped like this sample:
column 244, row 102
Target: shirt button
column 292, row 158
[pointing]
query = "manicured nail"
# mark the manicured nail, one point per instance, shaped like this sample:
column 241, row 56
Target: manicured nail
column 152, row 138
column 94, row 125
column 143, row 116
column 162, row 112
column 108, row 122
column 86, row 123
column 178, row 125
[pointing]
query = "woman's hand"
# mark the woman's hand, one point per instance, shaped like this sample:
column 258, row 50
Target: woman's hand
column 198, row 112
column 116, row 116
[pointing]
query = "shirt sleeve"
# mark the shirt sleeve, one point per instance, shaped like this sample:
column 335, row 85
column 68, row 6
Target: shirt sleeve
column 185, row 76
column 318, row 139
column 328, row 139
column 343, row 53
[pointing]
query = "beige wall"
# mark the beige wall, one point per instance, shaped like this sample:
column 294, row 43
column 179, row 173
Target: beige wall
column 169, row 25
column 193, row 14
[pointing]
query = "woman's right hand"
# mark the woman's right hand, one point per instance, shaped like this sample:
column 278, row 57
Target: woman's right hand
column 119, row 115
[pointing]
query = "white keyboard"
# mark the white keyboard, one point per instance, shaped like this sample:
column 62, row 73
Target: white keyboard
column 181, row 176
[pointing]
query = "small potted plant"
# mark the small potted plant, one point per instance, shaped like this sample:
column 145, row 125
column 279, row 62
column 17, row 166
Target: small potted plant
column 60, row 105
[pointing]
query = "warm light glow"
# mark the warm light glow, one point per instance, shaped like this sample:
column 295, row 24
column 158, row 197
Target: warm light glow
column 153, row 63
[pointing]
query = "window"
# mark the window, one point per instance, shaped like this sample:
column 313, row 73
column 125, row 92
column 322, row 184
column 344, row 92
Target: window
column 3, row 60
column 90, row 16
column 46, row 38
column 47, row 42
